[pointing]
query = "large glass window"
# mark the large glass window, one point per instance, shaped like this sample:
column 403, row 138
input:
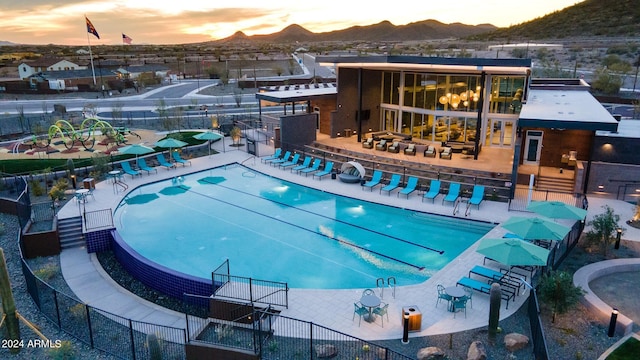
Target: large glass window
column 390, row 88
column 506, row 94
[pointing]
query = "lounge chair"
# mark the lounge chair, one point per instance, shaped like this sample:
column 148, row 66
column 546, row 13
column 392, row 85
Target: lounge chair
column 178, row 159
column 485, row 287
column 430, row 151
column 163, row 162
column 410, row 150
column 275, row 156
column 434, row 191
column 453, row 194
column 313, row 168
column 328, row 167
column 305, row 164
column 293, row 162
column 382, row 145
column 394, row 147
column 279, row 161
column 477, row 195
column 368, row 144
column 446, row 153
column 126, row 167
column 412, row 183
column 393, row 184
column 142, row 164
column 375, row 180
column 503, row 277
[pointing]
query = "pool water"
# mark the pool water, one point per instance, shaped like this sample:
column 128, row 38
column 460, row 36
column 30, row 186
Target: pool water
column 270, row 229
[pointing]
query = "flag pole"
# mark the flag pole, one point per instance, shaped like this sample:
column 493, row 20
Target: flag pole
column 93, row 71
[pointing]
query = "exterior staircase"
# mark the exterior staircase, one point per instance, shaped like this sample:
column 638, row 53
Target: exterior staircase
column 70, row 232
column 555, row 184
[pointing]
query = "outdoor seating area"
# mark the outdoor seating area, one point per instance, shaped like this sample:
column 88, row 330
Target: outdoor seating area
column 370, row 307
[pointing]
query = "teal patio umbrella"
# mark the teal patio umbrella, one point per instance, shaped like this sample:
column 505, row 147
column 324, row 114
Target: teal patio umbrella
column 535, row 228
column 135, row 149
column 557, row 210
column 170, row 143
column 211, row 136
column 513, row 252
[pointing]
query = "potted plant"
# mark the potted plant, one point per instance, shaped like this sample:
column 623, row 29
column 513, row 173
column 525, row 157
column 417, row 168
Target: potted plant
column 236, row 134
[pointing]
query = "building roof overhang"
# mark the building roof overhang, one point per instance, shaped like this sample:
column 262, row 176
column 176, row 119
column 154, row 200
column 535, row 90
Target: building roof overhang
column 287, row 96
column 565, row 109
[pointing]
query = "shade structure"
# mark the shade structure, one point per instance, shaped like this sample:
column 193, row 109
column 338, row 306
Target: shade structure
column 513, row 252
column 171, row 143
column 135, row 149
column 557, row 210
column 208, row 135
column 354, row 168
column 535, row 228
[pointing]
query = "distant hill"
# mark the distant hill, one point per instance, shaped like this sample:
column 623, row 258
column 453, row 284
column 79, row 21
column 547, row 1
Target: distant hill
column 383, row 31
column 610, row 18
column 6, row 43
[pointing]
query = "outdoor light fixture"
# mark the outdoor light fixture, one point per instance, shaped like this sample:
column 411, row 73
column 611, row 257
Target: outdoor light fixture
column 73, row 181
column 618, row 236
column 612, row 322
column 405, row 328
column 600, row 187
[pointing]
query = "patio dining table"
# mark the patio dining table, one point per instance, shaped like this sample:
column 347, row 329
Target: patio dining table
column 371, row 302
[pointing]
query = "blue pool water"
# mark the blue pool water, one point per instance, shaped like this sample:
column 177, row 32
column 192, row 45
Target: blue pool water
column 270, row 229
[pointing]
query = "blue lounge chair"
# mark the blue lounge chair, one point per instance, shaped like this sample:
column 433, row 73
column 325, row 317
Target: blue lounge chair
column 375, row 180
column 163, row 162
column 305, row 164
column 275, row 156
column 313, row 168
column 453, row 194
column 328, row 167
column 126, row 167
column 142, row 164
column 485, row 287
column 477, row 196
column 279, row 161
column 434, row 191
column 412, row 183
column 393, row 184
column 179, row 160
column 293, row 162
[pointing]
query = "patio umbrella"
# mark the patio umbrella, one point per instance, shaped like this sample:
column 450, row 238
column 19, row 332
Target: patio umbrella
column 135, row 149
column 209, row 135
column 535, row 228
column 171, row 143
column 557, row 210
column 513, row 252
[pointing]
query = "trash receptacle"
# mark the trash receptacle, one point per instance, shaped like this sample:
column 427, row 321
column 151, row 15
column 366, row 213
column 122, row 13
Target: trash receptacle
column 89, row 183
column 415, row 317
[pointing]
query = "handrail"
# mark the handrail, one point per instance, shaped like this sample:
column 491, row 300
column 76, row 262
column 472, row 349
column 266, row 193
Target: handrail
column 380, row 285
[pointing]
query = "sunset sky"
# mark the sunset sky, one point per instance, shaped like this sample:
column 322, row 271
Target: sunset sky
column 188, row 21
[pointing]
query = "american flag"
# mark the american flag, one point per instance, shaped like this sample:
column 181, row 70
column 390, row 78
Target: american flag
column 91, row 29
column 127, row 40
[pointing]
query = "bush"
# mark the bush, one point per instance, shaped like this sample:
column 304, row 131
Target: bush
column 36, row 188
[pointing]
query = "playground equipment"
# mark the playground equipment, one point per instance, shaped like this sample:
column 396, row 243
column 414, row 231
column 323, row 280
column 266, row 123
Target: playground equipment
column 85, row 135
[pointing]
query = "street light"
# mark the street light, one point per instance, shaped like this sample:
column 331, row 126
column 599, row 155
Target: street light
column 612, row 322
column 618, row 236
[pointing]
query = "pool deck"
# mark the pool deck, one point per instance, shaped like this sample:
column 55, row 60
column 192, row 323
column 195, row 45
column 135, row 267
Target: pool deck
column 330, row 308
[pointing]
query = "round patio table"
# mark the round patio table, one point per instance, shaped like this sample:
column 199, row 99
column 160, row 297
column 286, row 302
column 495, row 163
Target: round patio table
column 455, row 293
column 370, row 301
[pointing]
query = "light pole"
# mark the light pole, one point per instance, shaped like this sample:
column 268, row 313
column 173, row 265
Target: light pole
column 405, row 328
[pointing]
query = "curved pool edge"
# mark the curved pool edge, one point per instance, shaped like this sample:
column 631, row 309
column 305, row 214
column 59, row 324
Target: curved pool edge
column 601, row 309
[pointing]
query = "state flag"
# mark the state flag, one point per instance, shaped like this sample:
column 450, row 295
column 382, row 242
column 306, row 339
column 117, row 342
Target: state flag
column 91, row 29
column 127, row 40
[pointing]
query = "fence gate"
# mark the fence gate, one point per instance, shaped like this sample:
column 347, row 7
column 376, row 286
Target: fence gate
column 251, row 146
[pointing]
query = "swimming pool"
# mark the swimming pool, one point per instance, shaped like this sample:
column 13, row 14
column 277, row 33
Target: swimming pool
column 275, row 230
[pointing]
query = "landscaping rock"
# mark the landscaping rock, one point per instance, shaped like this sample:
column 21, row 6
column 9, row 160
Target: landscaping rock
column 431, row 353
column 326, row 351
column 514, row 342
column 477, row 351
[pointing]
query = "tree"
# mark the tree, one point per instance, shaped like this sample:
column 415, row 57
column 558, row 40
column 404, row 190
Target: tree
column 603, row 229
column 606, row 81
column 557, row 289
column 9, row 307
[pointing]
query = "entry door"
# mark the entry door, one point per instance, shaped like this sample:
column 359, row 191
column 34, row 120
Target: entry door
column 390, row 117
column 533, row 147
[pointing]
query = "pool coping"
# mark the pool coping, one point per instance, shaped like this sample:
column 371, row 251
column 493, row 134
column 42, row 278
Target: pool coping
column 597, row 306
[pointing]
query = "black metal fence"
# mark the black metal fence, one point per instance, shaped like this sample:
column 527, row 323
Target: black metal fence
column 248, row 289
column 540, row 350
column 98, row 219
column 523, row 195
column 121, row 337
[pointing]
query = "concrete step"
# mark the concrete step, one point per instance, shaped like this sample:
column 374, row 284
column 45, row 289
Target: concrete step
column 70, row 232
column 548, row 183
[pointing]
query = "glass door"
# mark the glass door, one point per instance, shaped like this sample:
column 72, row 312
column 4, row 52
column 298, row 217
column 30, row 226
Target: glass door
column 500, row 133
column 532, row 147
column 390, row 118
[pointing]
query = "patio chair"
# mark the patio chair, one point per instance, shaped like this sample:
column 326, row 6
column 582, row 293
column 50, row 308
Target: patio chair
column 275, row 156
column 279, row 161
column 368, row 292
column 375, row 180
column 382, row 145
column 293, row 162
column 477, row 195
column 313, row 168
column 469, row 296
column 434, row 191
column 453, row 194
column 446, row 153
column 410, row 150
column 394, row 183
column 163, row 162
column 412, row 183
column 360, row 311
column 142, row 164
column 382, row 310
column 126, row 167
column 305, row 164
column 178, row 159
column 394, row 147
column 328, row 168
column 430, row 151
column 442, row 295
column 368, row 144
column 459, row 305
